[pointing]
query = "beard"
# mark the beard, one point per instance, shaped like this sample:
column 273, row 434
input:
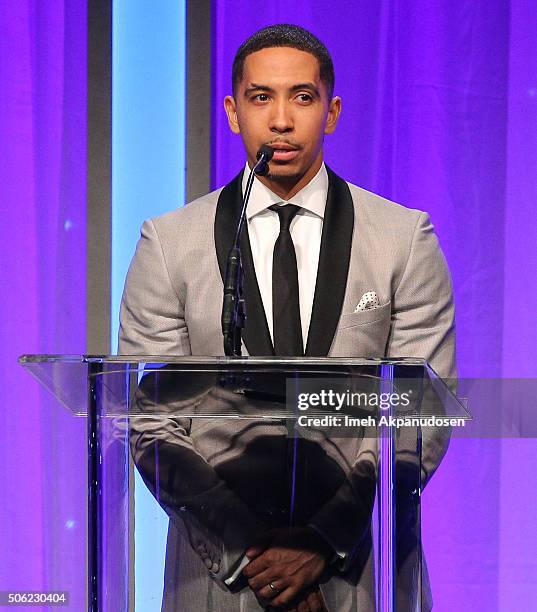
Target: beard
column 276, row 175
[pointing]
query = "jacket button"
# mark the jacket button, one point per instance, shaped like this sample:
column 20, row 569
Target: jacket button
column 215, row 568
column 208, row 563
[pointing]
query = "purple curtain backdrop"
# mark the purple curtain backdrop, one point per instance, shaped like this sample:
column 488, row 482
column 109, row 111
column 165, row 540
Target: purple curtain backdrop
column 43, row 267
column 440, row 114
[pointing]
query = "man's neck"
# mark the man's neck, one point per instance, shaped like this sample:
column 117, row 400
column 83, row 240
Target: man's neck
column 287, row 188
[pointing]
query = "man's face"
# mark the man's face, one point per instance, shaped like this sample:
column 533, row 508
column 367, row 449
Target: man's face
column 282, row 102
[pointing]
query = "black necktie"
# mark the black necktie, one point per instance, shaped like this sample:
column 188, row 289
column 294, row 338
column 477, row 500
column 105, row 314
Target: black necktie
column 286, row 327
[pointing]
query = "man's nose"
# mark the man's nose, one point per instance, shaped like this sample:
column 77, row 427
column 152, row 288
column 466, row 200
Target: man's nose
column 281, row 119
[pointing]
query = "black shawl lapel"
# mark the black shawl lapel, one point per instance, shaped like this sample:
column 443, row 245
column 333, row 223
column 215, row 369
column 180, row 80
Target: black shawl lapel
column 336, row 242
column 256, row 333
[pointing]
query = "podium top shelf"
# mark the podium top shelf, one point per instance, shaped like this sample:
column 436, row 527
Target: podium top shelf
column 124, row 382
column 216, row 361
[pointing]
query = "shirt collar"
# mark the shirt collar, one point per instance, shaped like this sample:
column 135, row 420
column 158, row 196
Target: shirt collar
column 312, row 197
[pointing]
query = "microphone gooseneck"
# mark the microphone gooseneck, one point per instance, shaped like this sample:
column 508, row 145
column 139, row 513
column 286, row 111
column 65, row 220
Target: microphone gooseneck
column 264, row 155
column 233, row 307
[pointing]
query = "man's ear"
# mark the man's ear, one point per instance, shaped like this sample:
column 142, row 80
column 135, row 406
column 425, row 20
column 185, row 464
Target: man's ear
column 231, row 112
column 334, row 109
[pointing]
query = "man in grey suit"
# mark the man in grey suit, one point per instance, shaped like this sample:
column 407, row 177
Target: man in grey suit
column 372, row 282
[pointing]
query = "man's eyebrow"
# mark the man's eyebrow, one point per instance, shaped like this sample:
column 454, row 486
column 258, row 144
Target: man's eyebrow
column 309, row 86
column 298, row 87
column 256, row 87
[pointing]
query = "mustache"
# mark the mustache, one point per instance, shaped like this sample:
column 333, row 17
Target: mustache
column 275, row 143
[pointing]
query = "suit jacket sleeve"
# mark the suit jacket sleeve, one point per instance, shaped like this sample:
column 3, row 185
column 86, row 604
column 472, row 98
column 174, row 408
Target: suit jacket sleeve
column 422, row 326
column 152, row 317
column 218, row 523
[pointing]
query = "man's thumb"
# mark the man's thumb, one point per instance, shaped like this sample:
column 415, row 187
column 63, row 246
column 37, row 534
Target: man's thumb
column 258, row 547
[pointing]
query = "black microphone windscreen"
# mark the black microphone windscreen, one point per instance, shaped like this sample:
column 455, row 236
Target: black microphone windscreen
column 267, row 151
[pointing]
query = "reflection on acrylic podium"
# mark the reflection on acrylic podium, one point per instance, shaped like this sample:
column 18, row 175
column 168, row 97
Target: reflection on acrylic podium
column 233, row 448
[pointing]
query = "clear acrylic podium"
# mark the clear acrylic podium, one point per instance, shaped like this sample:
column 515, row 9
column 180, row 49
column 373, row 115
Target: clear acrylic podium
column 231, row 448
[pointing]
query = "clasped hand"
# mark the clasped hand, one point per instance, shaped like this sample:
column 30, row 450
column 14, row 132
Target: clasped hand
column 284, row 566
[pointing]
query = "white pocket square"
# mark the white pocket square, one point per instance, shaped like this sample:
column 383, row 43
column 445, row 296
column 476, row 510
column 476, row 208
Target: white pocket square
column 368, row 301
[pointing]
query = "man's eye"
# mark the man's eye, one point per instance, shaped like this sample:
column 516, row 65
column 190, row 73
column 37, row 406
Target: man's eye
column 261, row 97
column 304, row 98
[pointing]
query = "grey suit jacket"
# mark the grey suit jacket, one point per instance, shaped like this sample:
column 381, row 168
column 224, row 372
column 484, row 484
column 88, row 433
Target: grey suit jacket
column 172, row 305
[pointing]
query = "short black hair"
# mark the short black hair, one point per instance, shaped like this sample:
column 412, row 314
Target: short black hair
column 285, row 35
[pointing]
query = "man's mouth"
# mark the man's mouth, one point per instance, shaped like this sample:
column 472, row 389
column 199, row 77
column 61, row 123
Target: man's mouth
column 284, row 152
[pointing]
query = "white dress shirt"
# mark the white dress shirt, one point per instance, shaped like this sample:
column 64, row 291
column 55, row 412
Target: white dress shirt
column 306, row 229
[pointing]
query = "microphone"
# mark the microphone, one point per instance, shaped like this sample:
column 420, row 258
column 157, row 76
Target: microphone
column 264, row 155
column 233, row 307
